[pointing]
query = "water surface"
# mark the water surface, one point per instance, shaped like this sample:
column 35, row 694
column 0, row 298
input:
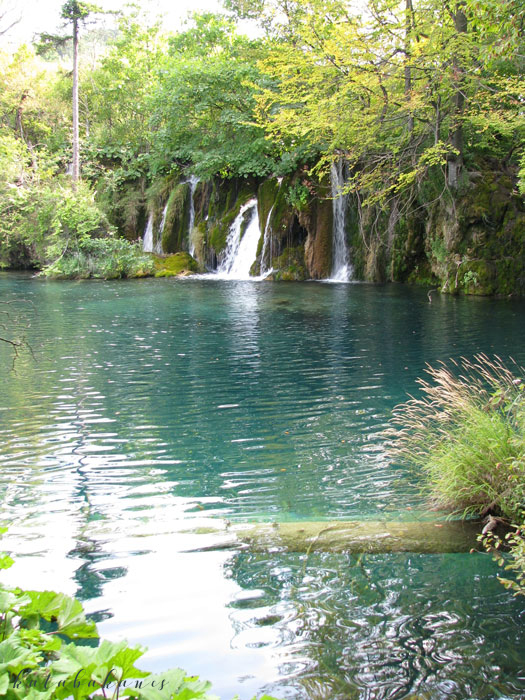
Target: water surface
column 154, row 406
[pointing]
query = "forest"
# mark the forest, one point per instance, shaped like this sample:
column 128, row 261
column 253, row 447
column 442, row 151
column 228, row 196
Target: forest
column 414, row 108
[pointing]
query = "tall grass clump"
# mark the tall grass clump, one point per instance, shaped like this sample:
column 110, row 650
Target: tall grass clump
column 466, row 434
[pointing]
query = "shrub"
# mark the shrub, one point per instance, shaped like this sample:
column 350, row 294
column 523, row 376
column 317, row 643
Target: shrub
column 515, row 562
column 106, row 258
column 466, row 434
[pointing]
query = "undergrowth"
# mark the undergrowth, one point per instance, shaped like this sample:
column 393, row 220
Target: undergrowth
column 466, row 434
column 104, row 258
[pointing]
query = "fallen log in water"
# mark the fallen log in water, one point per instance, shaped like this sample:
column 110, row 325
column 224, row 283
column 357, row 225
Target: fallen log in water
column 355, row 536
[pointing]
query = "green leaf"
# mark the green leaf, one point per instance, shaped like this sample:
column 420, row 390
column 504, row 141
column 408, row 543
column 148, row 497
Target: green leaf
column 174, row 684
column 5, row 561
column 4, row 683
column 14, row 657
column 8, row 600
column 67, row 612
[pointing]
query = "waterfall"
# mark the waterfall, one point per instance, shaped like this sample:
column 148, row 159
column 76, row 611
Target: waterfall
column 158, row 245
column 193, row 182
column 341, row 267
column 240, row 253
column 147, row 243
column 266, row 270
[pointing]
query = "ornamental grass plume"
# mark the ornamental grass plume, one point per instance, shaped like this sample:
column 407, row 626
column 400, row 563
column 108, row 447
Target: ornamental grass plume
column 466, row 434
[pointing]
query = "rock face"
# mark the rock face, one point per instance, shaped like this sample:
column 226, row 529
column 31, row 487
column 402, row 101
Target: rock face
column 472, row 243
column 483, row 237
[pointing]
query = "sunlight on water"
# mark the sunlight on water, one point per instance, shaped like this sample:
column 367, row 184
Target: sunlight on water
column 157, row 406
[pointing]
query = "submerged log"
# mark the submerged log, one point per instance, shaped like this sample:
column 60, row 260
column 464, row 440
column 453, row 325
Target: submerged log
column 355, row 537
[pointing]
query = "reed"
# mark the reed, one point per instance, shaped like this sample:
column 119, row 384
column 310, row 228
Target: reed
column 466, row 433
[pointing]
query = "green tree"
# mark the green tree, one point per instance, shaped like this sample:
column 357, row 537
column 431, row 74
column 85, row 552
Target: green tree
column 397, row 89
column 203, row 107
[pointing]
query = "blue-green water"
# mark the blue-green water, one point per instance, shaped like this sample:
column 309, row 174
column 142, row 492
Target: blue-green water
column 151, row 407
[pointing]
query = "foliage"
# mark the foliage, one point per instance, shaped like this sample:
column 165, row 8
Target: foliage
column 32, row 106
column 467, row 435
column 521, row 182
column 298, row 195
column 106, row 258
column 64, row 232
column 401, row 90
column 412, row 95
column 203, row 108
column 117, row 95
column 515, row 560
column 44, row 216
column 45, row 653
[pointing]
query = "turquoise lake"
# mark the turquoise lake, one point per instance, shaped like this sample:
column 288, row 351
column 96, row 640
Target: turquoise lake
column 153, row 407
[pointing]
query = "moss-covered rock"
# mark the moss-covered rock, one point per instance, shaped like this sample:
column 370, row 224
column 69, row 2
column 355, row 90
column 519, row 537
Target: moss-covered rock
column 471, row 243
column 477, row 277
column 476, row 244
column 290, row 265
column 176, row 225
column 179, row 264
column 318, row 220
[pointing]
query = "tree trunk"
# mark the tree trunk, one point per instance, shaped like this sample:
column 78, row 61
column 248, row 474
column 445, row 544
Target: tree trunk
column 354, row 537
column 76, row 155
column 408, row 55
column 455, row 161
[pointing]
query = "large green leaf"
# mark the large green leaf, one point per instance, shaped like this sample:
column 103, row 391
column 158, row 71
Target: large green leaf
column 14, row 657
column 5, row 561
column 174, row 684
column 67, row 612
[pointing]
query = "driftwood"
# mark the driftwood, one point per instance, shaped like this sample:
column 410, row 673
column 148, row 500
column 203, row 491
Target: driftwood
column 353, row 536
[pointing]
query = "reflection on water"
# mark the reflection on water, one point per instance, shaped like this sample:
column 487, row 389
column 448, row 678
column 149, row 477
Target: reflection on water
column 153, row 407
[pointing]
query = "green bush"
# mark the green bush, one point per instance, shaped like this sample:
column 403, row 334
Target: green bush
column 515, row 561
column 47, row 653
column 466, row 434
column 104, row 258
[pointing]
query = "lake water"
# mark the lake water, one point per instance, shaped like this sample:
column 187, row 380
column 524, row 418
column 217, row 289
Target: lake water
column 153, row 407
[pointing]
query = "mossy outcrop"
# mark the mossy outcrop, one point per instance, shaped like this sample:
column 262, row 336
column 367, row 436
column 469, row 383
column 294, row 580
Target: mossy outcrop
column 472, row 242
column 318, row 221
column 175, row 265
column 297, row 220
column 476, row 243
column 177, row 219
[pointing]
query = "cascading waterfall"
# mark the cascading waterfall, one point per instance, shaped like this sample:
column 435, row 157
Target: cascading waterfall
column 147, row 243
column 148, row 246
column 240, row 253
column 158, row 244
column 267, row 269
column 341, row 267
column 193, row 182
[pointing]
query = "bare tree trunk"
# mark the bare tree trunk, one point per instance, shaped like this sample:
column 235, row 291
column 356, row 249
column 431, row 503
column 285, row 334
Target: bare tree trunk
column 408, row 55
column 76, row 156
column 455, row 162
